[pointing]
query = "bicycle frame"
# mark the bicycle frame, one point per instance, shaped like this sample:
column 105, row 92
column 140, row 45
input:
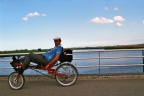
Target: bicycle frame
column 65, row 74
column 50, row 71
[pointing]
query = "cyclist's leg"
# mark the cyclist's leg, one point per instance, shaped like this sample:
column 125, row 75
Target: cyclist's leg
column 38, row 58
column 25, row 61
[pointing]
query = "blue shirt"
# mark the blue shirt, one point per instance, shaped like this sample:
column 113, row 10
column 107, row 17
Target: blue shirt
column 52, row 53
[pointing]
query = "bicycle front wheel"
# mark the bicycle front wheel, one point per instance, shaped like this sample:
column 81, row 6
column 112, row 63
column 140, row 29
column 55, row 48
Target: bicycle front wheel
column 16, row 80
column 66, row 74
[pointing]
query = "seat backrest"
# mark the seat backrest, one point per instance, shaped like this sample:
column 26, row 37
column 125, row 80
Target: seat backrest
column 66, row 55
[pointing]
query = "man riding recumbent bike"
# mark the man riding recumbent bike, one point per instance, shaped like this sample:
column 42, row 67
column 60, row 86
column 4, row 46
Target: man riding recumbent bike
column 65, row 73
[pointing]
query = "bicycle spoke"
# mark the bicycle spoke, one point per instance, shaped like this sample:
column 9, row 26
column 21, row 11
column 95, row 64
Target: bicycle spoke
column 16, row 80
column 70, row 72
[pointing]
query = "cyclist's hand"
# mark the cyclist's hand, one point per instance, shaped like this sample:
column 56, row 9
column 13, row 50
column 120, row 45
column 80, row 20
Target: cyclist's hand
column 52, row 62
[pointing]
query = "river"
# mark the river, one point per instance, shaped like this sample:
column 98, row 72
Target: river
column 95, row 70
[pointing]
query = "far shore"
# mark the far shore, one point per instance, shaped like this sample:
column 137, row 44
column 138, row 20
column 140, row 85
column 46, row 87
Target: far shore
column 134, row 46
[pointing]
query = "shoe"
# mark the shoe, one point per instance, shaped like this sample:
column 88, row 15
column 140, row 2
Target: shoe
column 14, row 61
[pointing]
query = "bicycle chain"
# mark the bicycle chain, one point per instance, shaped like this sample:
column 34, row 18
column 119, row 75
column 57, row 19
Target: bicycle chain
column 41, row 72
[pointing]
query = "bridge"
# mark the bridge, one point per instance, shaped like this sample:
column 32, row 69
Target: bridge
column 131, row 84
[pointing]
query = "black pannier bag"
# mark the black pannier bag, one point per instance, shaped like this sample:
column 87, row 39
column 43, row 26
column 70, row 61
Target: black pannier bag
column 66, row 56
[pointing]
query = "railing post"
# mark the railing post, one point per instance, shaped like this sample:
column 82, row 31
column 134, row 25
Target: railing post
column 143, row 59
column 99, row 62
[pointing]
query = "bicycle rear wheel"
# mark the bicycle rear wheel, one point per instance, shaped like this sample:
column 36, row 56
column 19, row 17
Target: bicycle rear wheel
column 67, row 74
column 16, row 80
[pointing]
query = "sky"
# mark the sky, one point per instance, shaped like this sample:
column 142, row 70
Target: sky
column 32, row 24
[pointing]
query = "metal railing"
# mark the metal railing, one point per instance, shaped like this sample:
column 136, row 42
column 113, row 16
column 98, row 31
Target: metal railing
column 93, row 58
column 117, row 57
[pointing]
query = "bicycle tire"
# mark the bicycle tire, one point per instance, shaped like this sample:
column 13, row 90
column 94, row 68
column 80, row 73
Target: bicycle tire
column 71, row 74
column 16, row 82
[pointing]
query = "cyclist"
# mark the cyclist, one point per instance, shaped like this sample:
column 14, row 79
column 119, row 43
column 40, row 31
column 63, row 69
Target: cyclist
column 47, row 59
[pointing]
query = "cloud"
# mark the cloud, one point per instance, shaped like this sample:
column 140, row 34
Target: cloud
column 24, row 18
column 143, row 22
column 118, row 24
column 119, row 18
column 34, row 14
column 43, row 14
column 102, row 20
column 106, row 8
column 116, row 9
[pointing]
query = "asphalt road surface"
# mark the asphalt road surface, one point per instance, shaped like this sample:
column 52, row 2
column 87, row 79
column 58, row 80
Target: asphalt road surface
column 126, row 87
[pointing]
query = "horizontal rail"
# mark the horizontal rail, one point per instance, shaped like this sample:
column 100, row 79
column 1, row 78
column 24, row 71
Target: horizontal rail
column 18, row 54
column 102, row 50
column 5, row 60
column 123, row 65
column 6, row 68
column 109, row 57
column 95, row 66
column 118, row 57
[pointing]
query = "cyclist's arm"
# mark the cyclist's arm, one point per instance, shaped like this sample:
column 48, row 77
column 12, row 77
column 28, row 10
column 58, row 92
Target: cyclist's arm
column 50, row 64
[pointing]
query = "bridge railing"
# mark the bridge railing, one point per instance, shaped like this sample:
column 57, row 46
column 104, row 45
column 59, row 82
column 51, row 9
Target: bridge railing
column 99, row 58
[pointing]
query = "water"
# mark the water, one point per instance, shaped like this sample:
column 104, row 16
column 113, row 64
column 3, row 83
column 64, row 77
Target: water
column 109, row 70
column 96, row 70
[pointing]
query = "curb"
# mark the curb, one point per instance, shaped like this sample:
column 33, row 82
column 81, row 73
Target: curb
column 82, row 77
